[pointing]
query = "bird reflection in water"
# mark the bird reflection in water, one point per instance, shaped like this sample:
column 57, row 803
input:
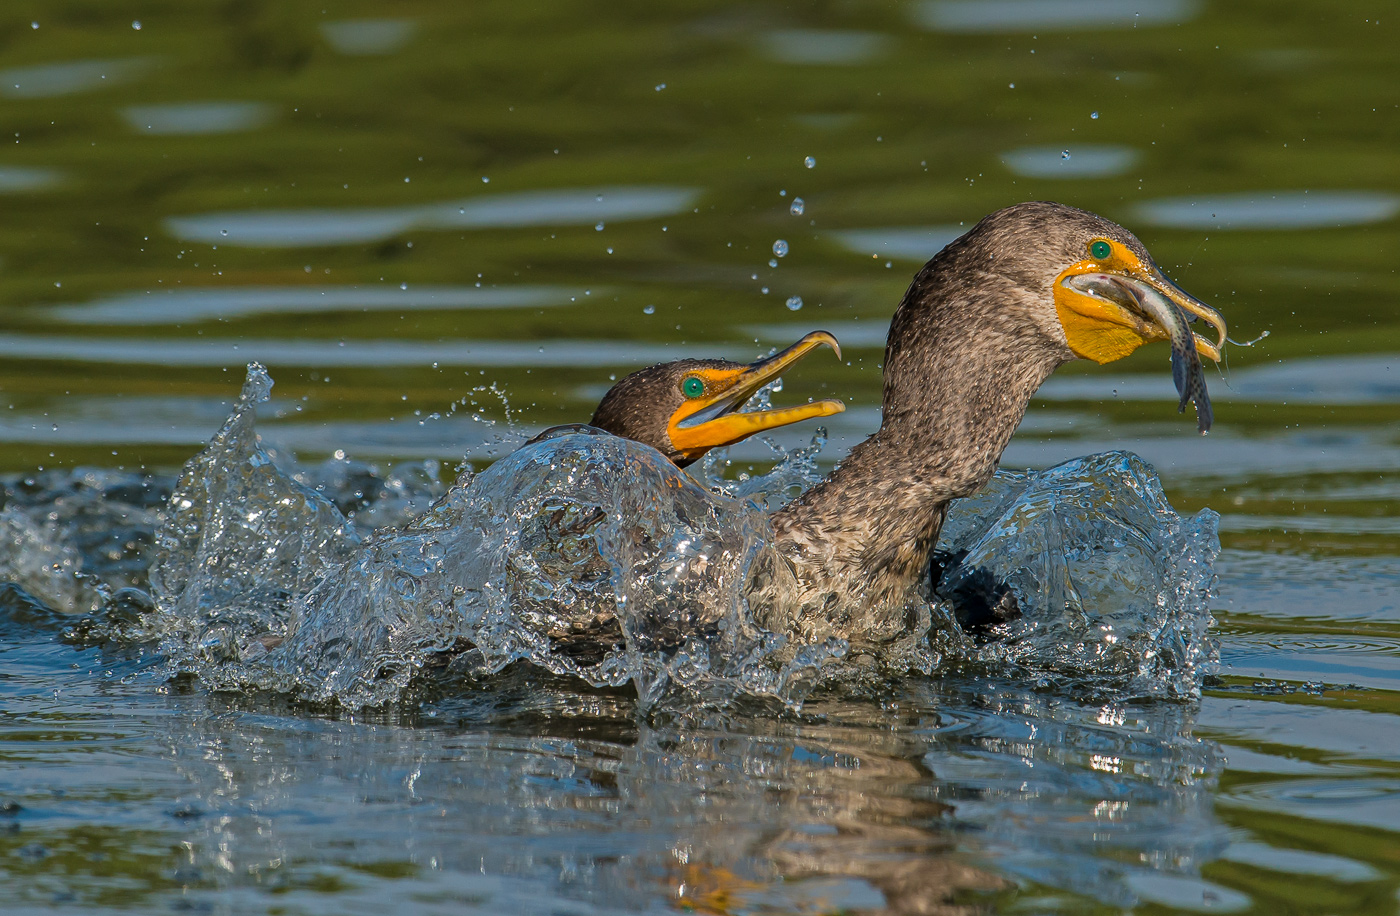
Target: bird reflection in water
column 939, row 799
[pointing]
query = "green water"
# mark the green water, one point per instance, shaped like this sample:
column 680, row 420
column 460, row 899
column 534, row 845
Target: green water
column 323, row 187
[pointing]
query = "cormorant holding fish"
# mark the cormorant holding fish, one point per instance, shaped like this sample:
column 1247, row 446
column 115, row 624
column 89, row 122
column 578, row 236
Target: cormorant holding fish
column 981, row 326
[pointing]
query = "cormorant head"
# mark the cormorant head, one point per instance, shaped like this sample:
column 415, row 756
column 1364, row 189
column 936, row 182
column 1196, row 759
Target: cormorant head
column 1089, row 278
column 1028, row 288
column 687, row 407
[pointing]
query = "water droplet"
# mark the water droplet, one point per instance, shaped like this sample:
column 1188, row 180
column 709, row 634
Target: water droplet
column 765, row 290
column 649, row 310
column 794, row 303
column 810, row 162
column 780, row 248
column 340, row 454
column 223, row 232
column 1064, row 154
column 1094, row 115
column 33, row 25
column 660, row 86
column 403, row 286
column 485, row 180
column 609, row 251
column 798, row 206
column 1011, row 85
column 136, row 24
column 599, row 227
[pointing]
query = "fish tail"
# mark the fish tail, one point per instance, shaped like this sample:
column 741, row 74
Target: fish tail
column 1205, row 415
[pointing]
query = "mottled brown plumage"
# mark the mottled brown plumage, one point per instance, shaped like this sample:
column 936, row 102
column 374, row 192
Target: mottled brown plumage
column 975, row 335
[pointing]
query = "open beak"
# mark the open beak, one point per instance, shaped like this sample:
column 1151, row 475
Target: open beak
column 713, row 420
column 1104, row 321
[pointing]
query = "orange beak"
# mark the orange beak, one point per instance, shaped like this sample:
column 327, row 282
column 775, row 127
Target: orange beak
column 714, row 419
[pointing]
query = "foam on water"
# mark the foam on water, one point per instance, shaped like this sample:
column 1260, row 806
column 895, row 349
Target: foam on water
column 594, row 557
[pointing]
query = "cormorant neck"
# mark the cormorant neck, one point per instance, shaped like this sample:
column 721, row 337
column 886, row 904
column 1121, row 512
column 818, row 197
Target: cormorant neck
column 958, row 379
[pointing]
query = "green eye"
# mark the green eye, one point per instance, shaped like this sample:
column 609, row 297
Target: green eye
column 1100, row 249
column 692, row 387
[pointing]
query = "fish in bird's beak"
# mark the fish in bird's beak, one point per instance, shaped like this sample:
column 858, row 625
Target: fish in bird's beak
column 710, row 418
column 1114, row 301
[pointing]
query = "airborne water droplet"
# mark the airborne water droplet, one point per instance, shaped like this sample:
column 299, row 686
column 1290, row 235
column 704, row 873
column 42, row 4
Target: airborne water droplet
column 649, row 310
column 599, row 227
column 780, row 248
column 1094, row 115
column 794, row 303
column 797, row 206
column 810, row 162
column 1064, row 155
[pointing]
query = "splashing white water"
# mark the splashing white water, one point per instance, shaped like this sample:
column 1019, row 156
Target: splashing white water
column 593, row 556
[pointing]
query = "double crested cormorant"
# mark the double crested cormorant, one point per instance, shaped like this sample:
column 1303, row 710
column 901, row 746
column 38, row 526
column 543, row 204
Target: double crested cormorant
column 981, row 326
column 687, row 407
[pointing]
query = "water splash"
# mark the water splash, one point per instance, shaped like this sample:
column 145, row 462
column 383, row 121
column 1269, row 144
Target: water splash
column 592, row 557
column 34, row 557
column 241, row 539
column 1085, row 574
column 585, row 554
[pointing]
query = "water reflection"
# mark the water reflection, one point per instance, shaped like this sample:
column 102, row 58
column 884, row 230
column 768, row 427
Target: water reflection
column 193, row 118
column 185, row 305
column 174, row 421
column 365, row 353
column 1030, row 15
column 1076, row 161
column 363, row 37
column 1271, row 210
column 48, row 80
column 521, row 782
column 1221, row 454
column 1360, row 379
column 305, row 228
column 818, row 46
column 16, row 179
column 852, row 334
column 1300, row 862
column 905, row 243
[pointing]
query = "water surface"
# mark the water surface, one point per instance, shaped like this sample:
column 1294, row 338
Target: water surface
column 447, row 227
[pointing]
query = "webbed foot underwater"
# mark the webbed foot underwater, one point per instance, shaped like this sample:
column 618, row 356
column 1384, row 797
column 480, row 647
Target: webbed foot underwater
column 598, row 558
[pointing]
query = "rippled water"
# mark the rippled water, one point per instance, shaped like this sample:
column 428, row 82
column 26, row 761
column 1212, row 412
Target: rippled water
column 445, row 227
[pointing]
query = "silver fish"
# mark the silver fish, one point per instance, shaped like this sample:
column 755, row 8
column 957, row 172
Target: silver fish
column 1187, row 374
